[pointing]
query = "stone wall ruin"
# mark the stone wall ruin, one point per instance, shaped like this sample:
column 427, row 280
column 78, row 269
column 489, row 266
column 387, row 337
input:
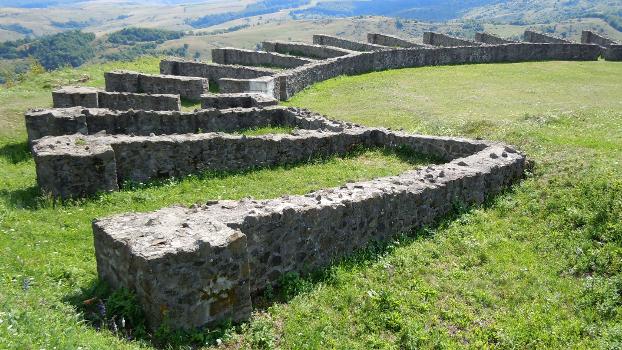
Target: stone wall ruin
column 204, row 264
column 190, row 88
column 612, row 50
column 535, row 37
column 391, row 41
column 71, row 96
column 439, row 39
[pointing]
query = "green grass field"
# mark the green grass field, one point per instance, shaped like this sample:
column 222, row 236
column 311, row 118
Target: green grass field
column 537, row 267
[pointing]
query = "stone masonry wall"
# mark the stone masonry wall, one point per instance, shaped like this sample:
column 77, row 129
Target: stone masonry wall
column 590, row 37
column 190, row 88
column 261, row 240
column 269, row 86
column 243, row 100
column 487, row 38
column 438, row 39
column 71, row 166
column 391, row 41
column 58, row 122
column 257, row 58
column 295, row 80
column 612, row 50
column 72, row 96
column 534, row 37
column 212, row 71
column 303, row 49
column 346, row 44
column 94, row 98
column 147, row 102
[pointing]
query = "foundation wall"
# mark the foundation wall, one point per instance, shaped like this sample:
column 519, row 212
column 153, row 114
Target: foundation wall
column 534, row 37
column 257, row 58
column 305, row 50
column 391, row 41
column 346, row 44
column 293, row 233
column 190, row 88
column 438, row 39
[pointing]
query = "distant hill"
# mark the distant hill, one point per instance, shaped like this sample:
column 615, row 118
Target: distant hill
column 428, row 10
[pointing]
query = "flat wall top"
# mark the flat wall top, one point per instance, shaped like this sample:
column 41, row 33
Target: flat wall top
column 169, row 231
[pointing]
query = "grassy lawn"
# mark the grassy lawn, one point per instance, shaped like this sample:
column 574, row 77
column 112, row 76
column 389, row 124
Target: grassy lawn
column 537, row 267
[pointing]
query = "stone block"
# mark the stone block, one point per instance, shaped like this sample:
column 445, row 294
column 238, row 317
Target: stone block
column 72, row 96
column 534, row 37
column 71, row 167
column 438, row 39
column 391, row 41
column 257, row 58
column 346, row 44
column 304, row 50
column 487, row 38
column 237, row 100
column 187, row 269
column 190, row 88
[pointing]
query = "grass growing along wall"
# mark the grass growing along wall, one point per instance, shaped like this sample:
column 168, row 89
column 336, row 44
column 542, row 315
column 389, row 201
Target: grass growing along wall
column 538, row 266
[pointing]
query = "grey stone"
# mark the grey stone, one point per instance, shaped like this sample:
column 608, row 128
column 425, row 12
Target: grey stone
column 391, row 41
column 72, row 96
column 58, row 122
column 611, row 50
column 305, row 50
column 534, row 37
column 487, row 38
column 148, row 102
column 293, row 233
column 438, row 39
column 212, row 71
column 264, row 85
column 244, row 100
column 346, row 44
column 230, row 55
column 190, row 88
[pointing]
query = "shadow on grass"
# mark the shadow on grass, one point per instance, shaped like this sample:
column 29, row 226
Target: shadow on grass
column 103, row 308
column 15, row 153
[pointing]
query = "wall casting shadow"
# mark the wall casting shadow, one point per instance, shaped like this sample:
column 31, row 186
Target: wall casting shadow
column 89, row 300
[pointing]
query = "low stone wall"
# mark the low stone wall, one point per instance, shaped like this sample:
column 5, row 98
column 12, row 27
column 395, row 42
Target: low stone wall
column 346, row 44
column 438, row 39
column 202, row 264
column 590, row 37
column 304, row 50
column 243, row 100
column 534, row 37
column 148, row 102
column 265, row 85
column 613, row 52
column 298, row 79
column 58, row 122
column 212, row 71
column 391, row 41
column 71, row 96
column 487, row 38
column 79, row 165
column 94, row 98
column 190, row 88
column 257, row 58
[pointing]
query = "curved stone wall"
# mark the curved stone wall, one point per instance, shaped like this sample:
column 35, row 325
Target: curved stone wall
column 202, row 265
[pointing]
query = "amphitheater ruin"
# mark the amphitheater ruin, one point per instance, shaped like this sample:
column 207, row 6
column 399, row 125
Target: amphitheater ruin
column 202, row 265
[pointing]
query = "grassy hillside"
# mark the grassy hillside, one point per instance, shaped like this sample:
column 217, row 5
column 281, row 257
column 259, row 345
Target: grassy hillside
column 537, row 267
